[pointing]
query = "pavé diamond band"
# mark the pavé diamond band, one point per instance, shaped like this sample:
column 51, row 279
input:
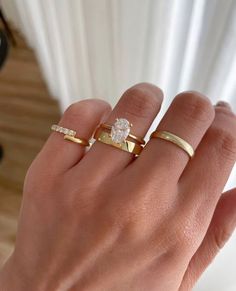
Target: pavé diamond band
column 118, row 136
column 63, row 130
column 174, row 139
column 69, row 134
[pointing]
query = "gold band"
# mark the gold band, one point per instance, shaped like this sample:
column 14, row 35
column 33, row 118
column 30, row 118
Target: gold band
column 134, row 137
column 127, row 145
column 69, row 134
column 174, row 139
column 77, row 140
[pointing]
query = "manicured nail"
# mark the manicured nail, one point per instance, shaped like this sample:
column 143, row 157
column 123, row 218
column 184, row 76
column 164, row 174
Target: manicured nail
column 223, row 104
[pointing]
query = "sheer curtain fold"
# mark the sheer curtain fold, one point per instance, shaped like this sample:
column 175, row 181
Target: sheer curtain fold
column 91, row 48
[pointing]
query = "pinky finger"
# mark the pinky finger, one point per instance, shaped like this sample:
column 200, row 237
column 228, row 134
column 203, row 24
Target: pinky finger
column 221, row 227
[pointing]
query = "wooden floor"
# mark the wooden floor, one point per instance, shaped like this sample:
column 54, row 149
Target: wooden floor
column 26, row 113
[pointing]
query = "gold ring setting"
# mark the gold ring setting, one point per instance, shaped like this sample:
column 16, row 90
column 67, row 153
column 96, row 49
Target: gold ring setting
column 69, row 135
column 181, row 143
column 133, row 137
column 118, row 135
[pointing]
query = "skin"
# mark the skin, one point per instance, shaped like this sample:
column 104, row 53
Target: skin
column 104, row 220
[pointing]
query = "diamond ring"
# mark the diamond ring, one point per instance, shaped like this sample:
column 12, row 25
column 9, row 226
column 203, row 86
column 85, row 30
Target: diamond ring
column 118, row 136
column 69, row 134
column 122, row 125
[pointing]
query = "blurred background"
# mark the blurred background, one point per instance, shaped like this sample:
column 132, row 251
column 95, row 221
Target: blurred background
column 55, row 52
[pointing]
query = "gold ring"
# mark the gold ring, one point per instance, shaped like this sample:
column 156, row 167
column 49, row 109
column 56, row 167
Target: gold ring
column 174, row 139
column 136, row 138
column 77, row 140
column 69, row 134
column 126, row 145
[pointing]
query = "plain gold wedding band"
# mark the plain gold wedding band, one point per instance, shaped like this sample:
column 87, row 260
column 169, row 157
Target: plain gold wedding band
column 174, row 139
column 77, row 140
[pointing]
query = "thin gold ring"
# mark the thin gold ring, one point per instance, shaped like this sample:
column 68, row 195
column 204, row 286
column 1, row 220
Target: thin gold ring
column 136, row 138
column 77, row 140
column 126, row 145
column 69, row 134
column 174, row 139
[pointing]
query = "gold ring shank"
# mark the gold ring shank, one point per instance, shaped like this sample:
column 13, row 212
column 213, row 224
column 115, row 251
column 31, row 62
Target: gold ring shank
column 77, row 140
column 127, row 145
column 174, row 139
column 136, row 138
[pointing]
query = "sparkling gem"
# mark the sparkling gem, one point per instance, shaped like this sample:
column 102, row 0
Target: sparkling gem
column 71, row 132
column 120, row 130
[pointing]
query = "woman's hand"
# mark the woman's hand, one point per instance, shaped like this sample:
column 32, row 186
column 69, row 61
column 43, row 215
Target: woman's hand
column 102, row 220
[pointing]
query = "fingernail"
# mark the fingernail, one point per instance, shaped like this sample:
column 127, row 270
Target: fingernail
column 223, row 104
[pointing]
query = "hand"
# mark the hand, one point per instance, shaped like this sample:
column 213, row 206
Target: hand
column 104, row 220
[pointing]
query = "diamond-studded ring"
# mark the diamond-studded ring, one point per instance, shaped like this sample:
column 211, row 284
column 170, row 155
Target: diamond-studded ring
column 118, row 136
column 69, row 134
column 130, row 135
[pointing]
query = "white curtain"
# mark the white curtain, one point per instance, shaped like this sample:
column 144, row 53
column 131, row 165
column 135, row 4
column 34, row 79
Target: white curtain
column 98, row 48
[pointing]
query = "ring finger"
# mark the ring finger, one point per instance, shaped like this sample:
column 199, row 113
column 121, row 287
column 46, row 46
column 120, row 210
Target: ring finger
column 188, row 117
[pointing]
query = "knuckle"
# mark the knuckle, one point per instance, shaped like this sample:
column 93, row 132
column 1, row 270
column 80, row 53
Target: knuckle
column 84, row 109
column 117, row 221
column 224, row 112
column 194, row 106
column 75, row 109
column 181, row 235
column 141, row 101
column 220, row 237
column 125, row 216
column 228, row 146
column 129, row 218
column 225, row 142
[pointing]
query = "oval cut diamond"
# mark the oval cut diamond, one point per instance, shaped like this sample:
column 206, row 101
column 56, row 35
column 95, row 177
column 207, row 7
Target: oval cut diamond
column 120, row 130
